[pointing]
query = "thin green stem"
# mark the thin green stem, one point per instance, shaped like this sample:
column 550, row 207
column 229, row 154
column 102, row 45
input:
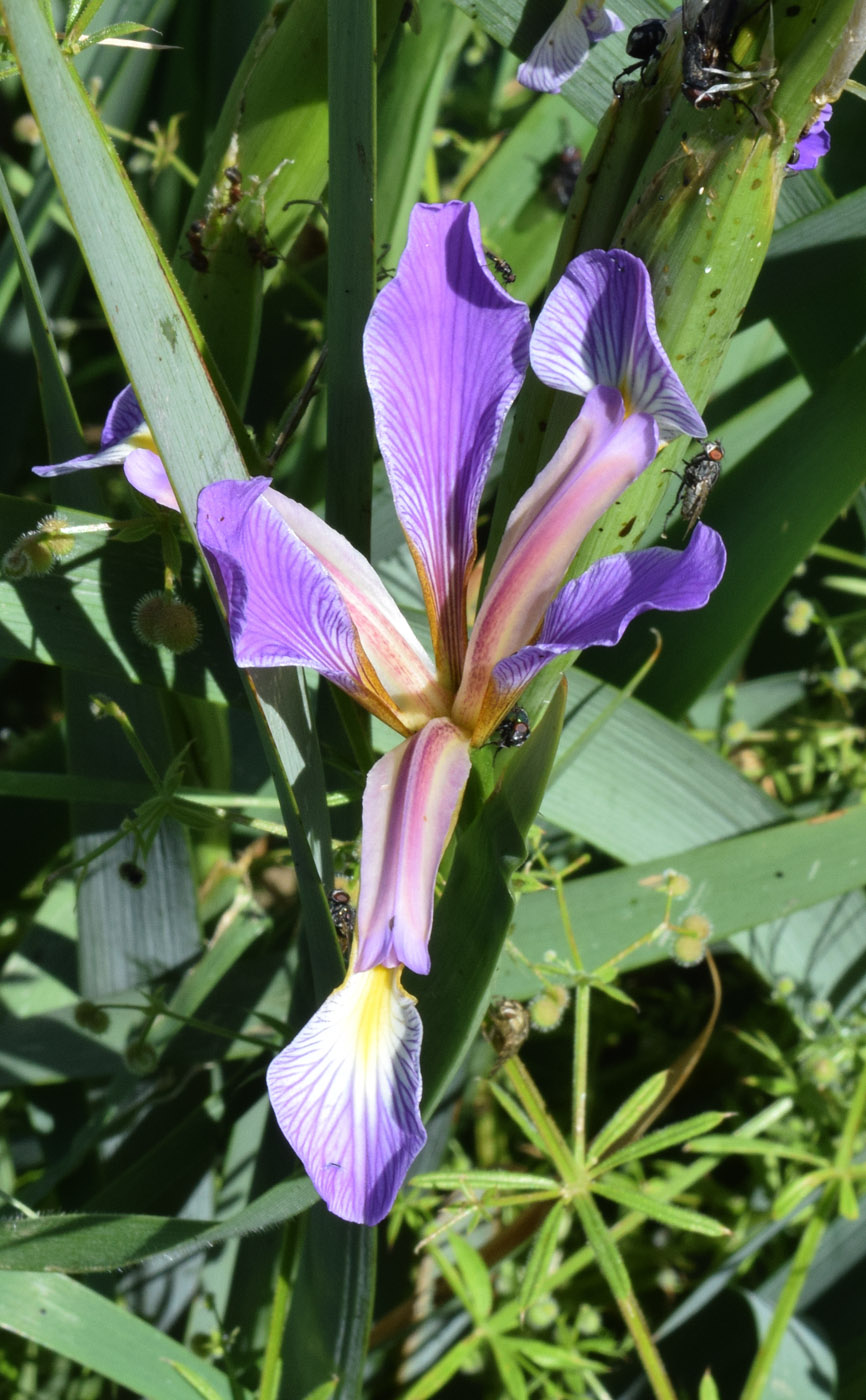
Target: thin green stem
column 612, row 1266
column 536, row 1110
column 580, row 1073
column 272, row 1365
column 824, row 1211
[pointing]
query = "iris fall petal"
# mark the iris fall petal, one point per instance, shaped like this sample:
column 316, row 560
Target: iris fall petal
column 144, row 471
column 346, row 1094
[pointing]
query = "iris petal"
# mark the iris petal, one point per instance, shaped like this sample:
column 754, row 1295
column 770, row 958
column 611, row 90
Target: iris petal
column 284, row 609
column 601, row 454
column 564, row 47
column 346, row 1094
column 411, row 802
column 445, row 351
column 124, row 418
column 595, row 609
column 598, row 327
column 145, row 472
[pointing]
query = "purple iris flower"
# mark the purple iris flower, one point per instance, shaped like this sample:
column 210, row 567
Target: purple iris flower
column 125, row 439
column 445, row 352
column 564, row 47
column 812, row 145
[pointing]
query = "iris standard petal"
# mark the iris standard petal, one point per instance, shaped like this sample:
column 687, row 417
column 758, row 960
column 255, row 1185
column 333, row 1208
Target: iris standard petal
column 563, row 48
column 601, row 454
column 411, row 802
column 284, row 609
column 145, row 472
column 445, row 351
column 595, row 609
column 346, row 1094
column 598, row 327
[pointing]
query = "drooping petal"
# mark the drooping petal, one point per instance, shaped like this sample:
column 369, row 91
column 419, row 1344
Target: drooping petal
column 598, row 326
column 595, row 609
column 445, row 351
column 124, row 430
column 601, row 454
column 410, row 806
column 346, row 1094
column 284, row 607
column 812, row 145
column 564, row 47
column 145, row 472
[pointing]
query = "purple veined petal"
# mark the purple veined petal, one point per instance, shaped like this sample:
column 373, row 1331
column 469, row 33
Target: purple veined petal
column 400, row 662
column 600, row 455
column 411, row 802
column 145, row 472
column 346, row 1094
column 445, row 351
column 564, row 47
column 598, row 326
column 595, row 609
column 812, row 145
column 124, row 418
column 284, row 609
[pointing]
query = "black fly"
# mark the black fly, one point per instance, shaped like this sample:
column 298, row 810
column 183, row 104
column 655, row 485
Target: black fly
column 708, row 35
column 696, row 482
column 505, row 270
column 513, row 731
column 343, row 916
column 643, row 43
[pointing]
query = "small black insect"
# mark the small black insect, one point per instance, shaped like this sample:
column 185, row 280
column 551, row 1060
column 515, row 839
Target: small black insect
column 513, row 731
column 696, row 482
column 562, row 172
column 708, row 35
column 196, row 257
column 343, row 916
column 132, row 873
column 235, row 192
column 643, row 43
column 505, row 270
column 261, row 254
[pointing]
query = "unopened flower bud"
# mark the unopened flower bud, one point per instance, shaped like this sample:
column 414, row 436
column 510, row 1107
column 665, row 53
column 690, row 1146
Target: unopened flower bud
column 162, row 620
column 846, row 679
column 548, row 1008
column 692, row 937
column 91, row 1017
column 799, row 616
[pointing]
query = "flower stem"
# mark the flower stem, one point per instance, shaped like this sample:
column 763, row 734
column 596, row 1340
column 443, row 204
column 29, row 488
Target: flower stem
column 273, row 1362
column 825, row 1209
column 612, row 1266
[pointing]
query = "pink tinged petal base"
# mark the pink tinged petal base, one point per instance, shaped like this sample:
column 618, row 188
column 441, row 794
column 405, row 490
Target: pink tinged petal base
column 144, row 471
column 601, row 454
column 411, row 802
column 445, row 351
column 598, row 327
column 564, row 47
column 401, row 664
column 595, row 609
column 283, row 607
column 346, row 1094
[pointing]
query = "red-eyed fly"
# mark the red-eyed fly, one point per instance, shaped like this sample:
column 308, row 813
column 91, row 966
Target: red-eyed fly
column 513, row 731
column 562, row 171
column 696, row 482
column 643, row 43
column 708, row 36
column 343, row 917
